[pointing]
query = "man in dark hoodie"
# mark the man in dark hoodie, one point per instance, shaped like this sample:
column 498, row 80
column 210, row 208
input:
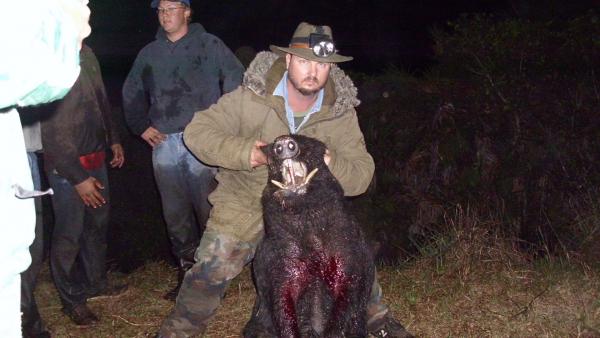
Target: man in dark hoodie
column 76, row 136
column 183, row 71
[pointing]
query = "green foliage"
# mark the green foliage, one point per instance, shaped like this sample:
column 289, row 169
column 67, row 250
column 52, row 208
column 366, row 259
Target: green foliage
column 508, row 120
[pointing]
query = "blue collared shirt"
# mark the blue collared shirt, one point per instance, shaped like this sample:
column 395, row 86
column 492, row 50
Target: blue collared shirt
column 281, row 90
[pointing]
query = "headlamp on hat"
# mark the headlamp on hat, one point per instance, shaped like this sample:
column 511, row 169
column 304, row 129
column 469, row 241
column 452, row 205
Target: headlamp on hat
column 321, row 45
column 314, row 43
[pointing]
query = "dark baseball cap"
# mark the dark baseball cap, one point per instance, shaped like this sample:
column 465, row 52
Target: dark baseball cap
column 155, row 3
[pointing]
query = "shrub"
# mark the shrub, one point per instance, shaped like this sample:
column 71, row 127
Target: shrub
column 507, row 121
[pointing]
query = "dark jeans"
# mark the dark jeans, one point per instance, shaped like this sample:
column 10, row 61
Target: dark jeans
column 32, row 323
column 78, row 250
column 184, row 184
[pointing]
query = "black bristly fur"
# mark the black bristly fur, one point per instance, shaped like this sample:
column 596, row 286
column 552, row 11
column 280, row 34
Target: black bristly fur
column 314, row 270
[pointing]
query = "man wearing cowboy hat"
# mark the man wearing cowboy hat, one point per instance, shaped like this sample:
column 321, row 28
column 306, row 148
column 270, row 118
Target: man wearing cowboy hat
column 297, row 89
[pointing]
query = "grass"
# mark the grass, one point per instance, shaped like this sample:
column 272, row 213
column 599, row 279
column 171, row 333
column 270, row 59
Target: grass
column 480, row 286
column 139, row 312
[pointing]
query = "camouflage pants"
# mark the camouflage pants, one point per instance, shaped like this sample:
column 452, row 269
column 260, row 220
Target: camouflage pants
column 219, row 259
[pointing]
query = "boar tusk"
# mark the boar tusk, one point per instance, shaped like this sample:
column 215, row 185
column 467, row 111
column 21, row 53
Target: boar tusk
column 311, row 175
column 279, row 184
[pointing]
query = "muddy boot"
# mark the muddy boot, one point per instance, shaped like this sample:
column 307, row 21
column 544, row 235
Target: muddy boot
column 184, row 265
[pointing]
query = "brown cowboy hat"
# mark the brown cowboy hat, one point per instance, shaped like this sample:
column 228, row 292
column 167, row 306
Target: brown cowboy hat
column 313, row 43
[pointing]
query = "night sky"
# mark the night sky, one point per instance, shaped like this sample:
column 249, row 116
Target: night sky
column 377, row 33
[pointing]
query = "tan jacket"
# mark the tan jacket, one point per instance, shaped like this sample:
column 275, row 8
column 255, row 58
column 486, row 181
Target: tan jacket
column 224, row 135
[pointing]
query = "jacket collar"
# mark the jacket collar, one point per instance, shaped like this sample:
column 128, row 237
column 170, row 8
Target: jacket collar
column 267, row 68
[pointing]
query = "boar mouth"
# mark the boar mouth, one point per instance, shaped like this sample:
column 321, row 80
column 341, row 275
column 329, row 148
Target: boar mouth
column 295, row 177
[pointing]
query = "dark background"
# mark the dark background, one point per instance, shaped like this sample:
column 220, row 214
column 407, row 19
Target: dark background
column 378, row 34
